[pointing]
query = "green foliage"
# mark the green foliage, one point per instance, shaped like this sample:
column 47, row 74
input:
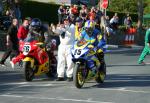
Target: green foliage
column 126, row 6
column 123, row 6
column 146, row 6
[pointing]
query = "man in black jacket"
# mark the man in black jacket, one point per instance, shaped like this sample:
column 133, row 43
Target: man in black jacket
column 11, row 42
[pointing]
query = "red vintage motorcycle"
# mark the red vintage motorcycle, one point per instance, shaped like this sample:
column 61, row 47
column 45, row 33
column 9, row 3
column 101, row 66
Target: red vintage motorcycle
column 36, row 60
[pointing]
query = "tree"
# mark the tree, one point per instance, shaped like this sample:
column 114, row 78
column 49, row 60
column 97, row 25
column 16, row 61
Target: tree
column 146, row 6
column 123, row 6
column 140, row 19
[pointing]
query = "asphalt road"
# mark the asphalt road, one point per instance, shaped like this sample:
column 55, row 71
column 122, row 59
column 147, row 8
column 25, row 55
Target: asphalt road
column 126, row 82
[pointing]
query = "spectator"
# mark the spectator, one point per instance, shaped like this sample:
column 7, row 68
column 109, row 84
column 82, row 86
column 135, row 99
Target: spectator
column 78, row 28
column 125, row 18
column 67, row 11
column 98, row 18
column 74, row 11
column 23, row 30
column 61, row 13
column 12, row 42
column 67, row 38
column 146, row 49
column 109, row 30
column 29, row 19
column 92, row 14
column 114, row 21
column 51, row 28
column 83, row 12
column 128, row 22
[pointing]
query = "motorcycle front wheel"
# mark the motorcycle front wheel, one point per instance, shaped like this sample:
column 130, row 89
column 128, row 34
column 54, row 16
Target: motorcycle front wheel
column 28, row 71
column 79, row 75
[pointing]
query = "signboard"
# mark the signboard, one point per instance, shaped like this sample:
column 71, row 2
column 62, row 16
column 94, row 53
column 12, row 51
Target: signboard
column 104, row 4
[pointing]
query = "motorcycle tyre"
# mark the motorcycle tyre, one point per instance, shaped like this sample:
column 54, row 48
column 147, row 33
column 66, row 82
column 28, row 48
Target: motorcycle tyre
column 27, row 68
column 78, row 83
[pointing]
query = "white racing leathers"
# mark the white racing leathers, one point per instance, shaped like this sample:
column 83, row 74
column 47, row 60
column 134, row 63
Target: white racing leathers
column 64, row 51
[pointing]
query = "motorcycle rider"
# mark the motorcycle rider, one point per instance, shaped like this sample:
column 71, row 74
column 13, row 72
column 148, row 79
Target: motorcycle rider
column 36, row 32
column 92, row 35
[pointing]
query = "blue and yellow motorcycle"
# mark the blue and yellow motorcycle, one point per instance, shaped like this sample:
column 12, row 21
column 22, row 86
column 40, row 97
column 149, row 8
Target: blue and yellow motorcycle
column 86, row 63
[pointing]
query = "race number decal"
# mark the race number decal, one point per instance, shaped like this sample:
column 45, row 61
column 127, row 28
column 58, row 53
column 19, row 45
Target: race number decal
column 26, row 48
column 77, row 52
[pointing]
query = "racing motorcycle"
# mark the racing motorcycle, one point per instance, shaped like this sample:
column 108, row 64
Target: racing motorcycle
column 84, row 64
column 36, row 60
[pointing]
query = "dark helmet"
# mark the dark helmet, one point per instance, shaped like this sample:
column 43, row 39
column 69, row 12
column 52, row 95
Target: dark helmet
column 36, row 24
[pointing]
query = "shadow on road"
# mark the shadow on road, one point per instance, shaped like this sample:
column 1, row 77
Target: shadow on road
column 124, row 80
column 14, row 82
column 10, row 76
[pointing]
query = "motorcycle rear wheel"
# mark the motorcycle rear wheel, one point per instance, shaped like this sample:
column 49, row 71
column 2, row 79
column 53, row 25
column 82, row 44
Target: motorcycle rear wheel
column 79, row 75
column 28, row 71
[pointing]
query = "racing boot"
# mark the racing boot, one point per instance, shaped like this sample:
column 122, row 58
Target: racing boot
column 102, row 61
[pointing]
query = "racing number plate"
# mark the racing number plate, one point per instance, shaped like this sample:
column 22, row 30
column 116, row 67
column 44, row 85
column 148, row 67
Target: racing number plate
column 26, row 48
column 77, row 52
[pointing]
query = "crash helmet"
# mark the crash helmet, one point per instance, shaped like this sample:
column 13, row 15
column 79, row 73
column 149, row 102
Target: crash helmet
column 89, row 26
column 36, row 24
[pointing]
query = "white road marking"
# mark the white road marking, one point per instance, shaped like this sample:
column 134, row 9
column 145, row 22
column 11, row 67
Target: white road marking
column 121, row 50
column 125, row 90
column 25, row 84
column 59, row 99
column 37, row 85
column 14, row 83
column 19, row 83
column 11, row 96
